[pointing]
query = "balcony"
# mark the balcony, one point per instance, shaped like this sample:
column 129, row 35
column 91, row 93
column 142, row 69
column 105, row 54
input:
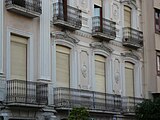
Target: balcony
column 132, row 38
column 29, row 8
column 20, row 92
column 66, row 98
column 106, row 30
column 129, row 104
column 71, row 20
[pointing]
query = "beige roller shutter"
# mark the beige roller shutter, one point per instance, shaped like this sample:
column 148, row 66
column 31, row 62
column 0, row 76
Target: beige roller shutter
column 98, row 3
column 62, row 66
column 18, row 57
column 129, row 79
column 100, row 73
column 127, row 16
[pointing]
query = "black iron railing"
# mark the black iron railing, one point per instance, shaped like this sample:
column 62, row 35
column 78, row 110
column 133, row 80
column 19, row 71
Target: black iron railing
column 28, row 5
column 72, row 17
column 68, row 98
column 132, row 36
column 107, row 27
column 129, row 104
column 20, row 91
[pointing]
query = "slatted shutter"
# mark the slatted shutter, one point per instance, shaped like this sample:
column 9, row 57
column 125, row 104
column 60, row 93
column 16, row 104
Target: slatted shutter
column 18, row 58
column 100, row 73
column 127, row 16
column 98, row 2
column 129, row 79
column 62, row 66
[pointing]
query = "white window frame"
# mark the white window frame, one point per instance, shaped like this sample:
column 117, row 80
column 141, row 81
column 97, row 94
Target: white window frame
column 108, row 69
column 30, row 57
column 73, row 61
column 137, row 76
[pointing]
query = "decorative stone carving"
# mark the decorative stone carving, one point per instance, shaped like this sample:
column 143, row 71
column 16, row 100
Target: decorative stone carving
column 85, row 21
column 84, row 4
column 65, row 36
column 84, row 63
column 101, row 46
column 129, row 2
column 131, row 55
column 84, row 70
column 117, row 86
column 115, row 12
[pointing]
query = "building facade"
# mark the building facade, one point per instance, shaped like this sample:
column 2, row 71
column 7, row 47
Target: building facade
column 151, row 47
column 60, row 54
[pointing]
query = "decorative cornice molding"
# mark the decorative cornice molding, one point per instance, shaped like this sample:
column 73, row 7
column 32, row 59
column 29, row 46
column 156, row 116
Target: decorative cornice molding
column 131, row 55
column 101, row 46
column 65, row 36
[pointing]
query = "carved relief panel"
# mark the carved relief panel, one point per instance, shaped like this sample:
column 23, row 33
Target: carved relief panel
column 116, row 78
column 84, row 69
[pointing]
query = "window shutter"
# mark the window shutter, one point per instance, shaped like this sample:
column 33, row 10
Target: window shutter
column 129, row 79
column 18, row 58
column 62, row 66
column 127, row 16
column 98, row 2
column 100, row 73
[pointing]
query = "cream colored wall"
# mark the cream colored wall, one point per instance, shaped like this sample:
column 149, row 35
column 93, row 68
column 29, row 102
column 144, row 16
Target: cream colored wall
column 150, row 43
column 25, row 25
column 157, row 41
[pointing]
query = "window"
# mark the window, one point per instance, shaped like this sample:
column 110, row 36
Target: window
column 158, row 63
column 100, row 73
column 18, row 57
column 62, row 66
column 157, row 20
column 98, row 14
column 127, row 16
column 129, row 79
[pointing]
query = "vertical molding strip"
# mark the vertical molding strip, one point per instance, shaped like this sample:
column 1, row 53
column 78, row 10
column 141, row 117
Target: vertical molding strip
column 1, row 37
column 44, row 50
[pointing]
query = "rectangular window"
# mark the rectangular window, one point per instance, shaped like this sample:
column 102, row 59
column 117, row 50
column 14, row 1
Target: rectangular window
column 127, row 16
column 129, row 79
column 62, row 66
column 98, row 14
column 158, row 63
column 100, row 73
column 157, row 20
column 18, row 58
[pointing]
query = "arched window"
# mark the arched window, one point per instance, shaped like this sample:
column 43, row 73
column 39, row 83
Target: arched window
column 62, row 66
column 129, row 79
column 100, row 70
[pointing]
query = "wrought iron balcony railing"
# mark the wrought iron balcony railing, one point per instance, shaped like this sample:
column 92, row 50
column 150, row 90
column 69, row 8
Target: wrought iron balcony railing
column 105, row 30
column 132, row 38
column 129, row 104
column 26, row 92
column 71, row 20
column 30, row 8
column 68, row 98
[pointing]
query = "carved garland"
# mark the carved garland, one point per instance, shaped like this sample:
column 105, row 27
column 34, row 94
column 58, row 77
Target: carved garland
column 131, row 55
column 65, row 36
column 101, row 46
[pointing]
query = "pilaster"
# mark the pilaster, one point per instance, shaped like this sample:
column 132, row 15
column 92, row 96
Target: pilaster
column 44, row 50
column 1, row 37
